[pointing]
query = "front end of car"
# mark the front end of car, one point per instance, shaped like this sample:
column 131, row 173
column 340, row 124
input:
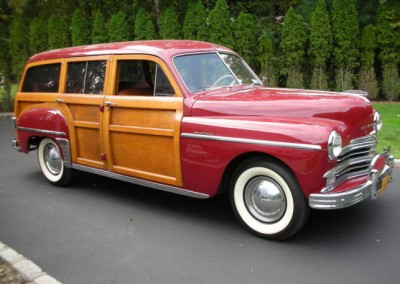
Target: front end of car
column 360, row 173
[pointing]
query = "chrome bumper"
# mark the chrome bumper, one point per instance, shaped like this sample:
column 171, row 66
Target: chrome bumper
column 369, row 189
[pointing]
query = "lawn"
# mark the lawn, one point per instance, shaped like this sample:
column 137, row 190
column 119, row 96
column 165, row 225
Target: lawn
column 390, row 133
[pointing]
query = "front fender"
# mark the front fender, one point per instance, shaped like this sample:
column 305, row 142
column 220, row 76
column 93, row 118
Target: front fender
column 210, row 144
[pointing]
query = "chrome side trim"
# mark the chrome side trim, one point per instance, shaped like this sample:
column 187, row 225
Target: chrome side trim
column 203, row 136
column 159, row 186
column 42, row 131
column 66, row 150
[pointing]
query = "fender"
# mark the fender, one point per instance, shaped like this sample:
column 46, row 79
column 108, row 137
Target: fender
column 41, row 121
column 298, row 143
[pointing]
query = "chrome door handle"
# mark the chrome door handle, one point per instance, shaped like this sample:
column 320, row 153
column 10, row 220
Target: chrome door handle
column 59, row 101
column 109, row 104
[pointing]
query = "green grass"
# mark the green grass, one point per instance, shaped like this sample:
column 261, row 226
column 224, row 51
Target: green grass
column 390, row 133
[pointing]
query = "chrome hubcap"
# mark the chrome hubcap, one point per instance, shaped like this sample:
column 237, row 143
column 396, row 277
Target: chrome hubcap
column 265, row 199
column 52, row 159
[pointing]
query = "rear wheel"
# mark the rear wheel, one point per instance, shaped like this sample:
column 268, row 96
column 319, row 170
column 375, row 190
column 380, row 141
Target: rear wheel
column 267, row 199
column 51, row 163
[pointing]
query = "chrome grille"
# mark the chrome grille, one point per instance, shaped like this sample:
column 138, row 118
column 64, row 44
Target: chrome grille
column 353, row 161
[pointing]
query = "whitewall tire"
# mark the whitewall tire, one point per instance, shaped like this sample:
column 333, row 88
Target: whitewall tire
column 267, row 199
column 51, row 163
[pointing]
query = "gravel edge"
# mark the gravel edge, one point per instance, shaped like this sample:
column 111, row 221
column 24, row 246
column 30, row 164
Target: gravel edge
column 29, row 272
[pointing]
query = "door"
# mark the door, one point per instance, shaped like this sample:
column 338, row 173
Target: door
column 142, row 120
column 80, row 99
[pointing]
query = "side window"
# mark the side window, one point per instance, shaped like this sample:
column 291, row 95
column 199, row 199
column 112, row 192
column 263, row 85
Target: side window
column 142, row 78
column 86, row 77
column 43, row 78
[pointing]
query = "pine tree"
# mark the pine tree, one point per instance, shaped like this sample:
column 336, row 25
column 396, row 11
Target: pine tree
column 266, row 60
column 195, row 24
column 220, row 25
column 37, row 36
column 170, row 27
column 118, row 28
column 58, row 33
column 80, row 32
column 345, row 42
column 150, row 30
column 292, row 46
column 320, row 46
column 388, row 44
column 99, row 32
column 367, row 81
column 140, row 24
column 244, row 35
column 18, row 44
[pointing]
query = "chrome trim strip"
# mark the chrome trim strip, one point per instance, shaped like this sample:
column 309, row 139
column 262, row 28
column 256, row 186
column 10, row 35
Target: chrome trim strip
column 250, row 141
column 162, row 187
column 42, row 131
column 66, row 151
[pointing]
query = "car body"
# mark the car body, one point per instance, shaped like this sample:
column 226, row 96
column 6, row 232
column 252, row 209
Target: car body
column 192, row 118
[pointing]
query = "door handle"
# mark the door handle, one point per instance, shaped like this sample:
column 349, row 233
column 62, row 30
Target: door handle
column 109, row 104
column 59, row 101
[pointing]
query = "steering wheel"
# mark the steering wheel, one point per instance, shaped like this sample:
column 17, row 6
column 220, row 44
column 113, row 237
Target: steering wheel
column 223, row 77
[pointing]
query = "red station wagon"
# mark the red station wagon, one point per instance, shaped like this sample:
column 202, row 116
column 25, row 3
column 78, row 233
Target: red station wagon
column 192, row 118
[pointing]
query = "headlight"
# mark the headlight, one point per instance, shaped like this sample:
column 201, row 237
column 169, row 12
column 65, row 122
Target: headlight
column 377, row 122
column 334, row 145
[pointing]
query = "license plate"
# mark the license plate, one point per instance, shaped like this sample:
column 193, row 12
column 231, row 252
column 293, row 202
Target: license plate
column 385, row 182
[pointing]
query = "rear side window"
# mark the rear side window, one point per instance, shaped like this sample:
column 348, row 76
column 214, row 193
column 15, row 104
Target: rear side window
column 42, row 79
column 86, row 77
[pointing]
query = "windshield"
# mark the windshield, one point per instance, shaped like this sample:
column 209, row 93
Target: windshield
column 207, row 71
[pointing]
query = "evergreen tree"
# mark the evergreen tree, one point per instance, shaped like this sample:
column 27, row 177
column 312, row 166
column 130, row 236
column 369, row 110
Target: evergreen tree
column 38, row 38
column 195, row 24
column 320, row 46
column 292, row 46
column 170, row 27
column 220, row 25
column 58, row 33
column 345, row 41
column 388, row 43
column 99, row 32
column 118, row 28
column 367, row 81
column 140, row 24
column 18, row 44
column 80, row 33
column 266, row 60
column 150, row 30
column 244, row 35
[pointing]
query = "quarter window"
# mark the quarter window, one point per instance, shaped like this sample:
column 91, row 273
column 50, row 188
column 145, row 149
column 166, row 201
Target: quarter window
column 86, row 77
column 43, row 78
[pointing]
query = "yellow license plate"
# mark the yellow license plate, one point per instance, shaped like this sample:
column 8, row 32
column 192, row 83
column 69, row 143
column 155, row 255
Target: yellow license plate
column 385, row 182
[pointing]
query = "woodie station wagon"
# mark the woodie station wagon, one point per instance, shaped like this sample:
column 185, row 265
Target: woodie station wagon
column 192, row 118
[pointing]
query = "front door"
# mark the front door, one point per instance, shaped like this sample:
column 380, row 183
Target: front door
column 80, row 100
column 142, row 120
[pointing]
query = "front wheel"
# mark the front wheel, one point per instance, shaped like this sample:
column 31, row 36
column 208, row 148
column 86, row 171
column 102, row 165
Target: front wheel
column 51, row 163
column 267, row 199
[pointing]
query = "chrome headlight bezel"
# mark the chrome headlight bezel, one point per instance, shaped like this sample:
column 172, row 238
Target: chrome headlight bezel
column 377, row 122
column 334, row 145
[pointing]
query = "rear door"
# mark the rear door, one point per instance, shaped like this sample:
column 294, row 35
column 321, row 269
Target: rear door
column 81, row 99
column 142, row 120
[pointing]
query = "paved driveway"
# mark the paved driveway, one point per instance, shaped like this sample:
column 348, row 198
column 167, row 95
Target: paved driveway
column 104, row 231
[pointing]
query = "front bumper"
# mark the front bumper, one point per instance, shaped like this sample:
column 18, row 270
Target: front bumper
column 378, row 177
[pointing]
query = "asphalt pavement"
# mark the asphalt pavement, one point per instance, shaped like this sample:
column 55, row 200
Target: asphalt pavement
column 100, row 230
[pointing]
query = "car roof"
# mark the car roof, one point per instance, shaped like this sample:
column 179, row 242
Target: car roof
column 161, row 48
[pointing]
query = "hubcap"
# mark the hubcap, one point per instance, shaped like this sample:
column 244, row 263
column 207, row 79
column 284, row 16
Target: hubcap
column 265, row 199
column 52, row 159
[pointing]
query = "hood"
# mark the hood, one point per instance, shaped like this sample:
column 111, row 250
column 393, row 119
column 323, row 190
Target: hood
column 354, row 111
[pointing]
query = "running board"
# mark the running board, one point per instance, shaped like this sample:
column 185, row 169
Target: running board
column 154, row 185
